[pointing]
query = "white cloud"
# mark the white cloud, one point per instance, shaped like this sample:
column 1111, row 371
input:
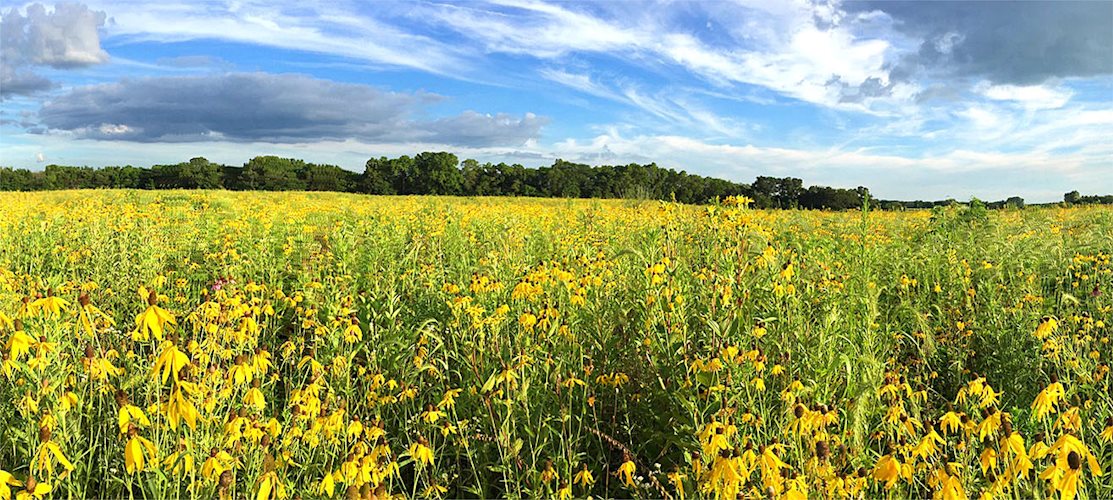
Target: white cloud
column 1033, row 97
column 324, row 28
column 66, row 37
column 581, row 82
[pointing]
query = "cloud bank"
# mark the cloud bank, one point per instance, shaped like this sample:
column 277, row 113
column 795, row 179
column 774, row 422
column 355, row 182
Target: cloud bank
column 263, row 107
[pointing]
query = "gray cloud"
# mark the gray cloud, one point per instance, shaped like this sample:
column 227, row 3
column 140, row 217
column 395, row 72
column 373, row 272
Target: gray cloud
column 66, row 37
column 1020, row 43
column 261, row 107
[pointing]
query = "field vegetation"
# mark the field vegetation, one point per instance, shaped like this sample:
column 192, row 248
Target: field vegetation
column 201, row 344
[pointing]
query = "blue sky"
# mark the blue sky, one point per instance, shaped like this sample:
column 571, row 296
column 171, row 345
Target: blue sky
column 912, row 99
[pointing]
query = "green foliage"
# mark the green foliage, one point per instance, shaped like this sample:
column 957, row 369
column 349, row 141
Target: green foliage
column 442, row 173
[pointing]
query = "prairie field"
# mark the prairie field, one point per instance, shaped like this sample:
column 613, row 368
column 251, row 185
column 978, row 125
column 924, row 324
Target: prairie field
column 205, row 344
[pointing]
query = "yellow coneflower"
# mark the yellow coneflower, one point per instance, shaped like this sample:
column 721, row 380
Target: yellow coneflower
column 51, row 305
column 584, row 477
column 565, row 491
column 448, row 401
column 626, row 471
column 1047, row 400
column 1070, row 420
column 218, row 462
column 34, row 490
column 89, row 316
column 170, row 362
column 434, row 490
column 548, row 474
column 353, row 333
column 180, row 408
column 929, row 445
column 421, row 452
column 254, row 397
column 19, row 344
column 887, row 469
column 1046, row 327
column 134, row 458
column 270, row 485
column 152, row 320
column 431, row 414
column 49, row 451
column 988, row 459
column 677, row 480
column 7, row 480
column 1065, row 474
column 129, row 413
column 181, row 462
column 1107, row 433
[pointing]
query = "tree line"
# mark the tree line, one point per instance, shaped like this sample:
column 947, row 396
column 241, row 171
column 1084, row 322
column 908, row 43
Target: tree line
column 441, row 173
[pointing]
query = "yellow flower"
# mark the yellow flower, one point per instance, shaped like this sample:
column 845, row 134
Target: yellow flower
column 431, row 414
column 19, row 344
column 182, row 461
column 49, row 451
column 254, row 397
column 565, row 491
column 134, row 458
column 584, row 477
column 218, row 462
column 270, row 486
column 434, row 491
column 170, row 362
column 1107, row 434
column 449, row 399
column 888, row 470
column 527, row 321
column 952, row 489
column 929, row 445
column 421, row 452
column 6, row 482
column 988, row 459
column 677, row 480
column 1070, row 420
column 151, row 321
column 89, row 316
column 1048, row 398
column 131, row 414
column 1046, row 327
column 33, row 490
column 51, row 305
column 626, row 472
column 180, row 407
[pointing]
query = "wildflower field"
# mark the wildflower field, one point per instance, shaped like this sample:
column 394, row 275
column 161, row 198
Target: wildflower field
column 198, row 344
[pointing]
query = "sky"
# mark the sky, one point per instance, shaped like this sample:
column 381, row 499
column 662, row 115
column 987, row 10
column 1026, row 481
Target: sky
column 915, row 100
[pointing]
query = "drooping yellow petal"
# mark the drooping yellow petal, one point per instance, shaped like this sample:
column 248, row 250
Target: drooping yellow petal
column 133, row 456
column 264, row 489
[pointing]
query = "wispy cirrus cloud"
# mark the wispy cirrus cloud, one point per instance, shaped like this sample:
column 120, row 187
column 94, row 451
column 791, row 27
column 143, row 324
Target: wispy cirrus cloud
column 334, row 28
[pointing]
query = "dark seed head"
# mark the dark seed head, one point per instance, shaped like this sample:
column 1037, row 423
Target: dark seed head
column 1074, row 461
column 822, row 450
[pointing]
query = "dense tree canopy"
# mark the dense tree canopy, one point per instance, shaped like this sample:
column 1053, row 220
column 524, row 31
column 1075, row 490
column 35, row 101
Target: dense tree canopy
column 442, row 173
